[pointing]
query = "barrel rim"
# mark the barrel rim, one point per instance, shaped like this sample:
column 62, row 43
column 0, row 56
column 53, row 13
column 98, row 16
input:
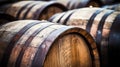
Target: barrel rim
column 79, row 31
column 63, row 32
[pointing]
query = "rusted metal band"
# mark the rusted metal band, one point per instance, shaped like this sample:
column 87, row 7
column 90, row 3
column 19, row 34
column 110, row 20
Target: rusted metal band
column 91, row 20
column 23, row 8
column 27, row 43
column 65, row 21
column 40, row 10
column 12, row 43
column 27, row 12
column 43, row 49
column 114, row 43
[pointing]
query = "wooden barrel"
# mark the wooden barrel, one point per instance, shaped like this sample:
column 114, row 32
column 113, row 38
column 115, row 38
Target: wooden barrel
column 102, row 24
column 32, row 43
column 4, row 18
column 115, row 7
column 36, row 10
column 73, row 4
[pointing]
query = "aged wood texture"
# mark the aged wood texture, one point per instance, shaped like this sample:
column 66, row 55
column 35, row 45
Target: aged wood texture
column 99, row 23
column 38, row 10
column 32, row 43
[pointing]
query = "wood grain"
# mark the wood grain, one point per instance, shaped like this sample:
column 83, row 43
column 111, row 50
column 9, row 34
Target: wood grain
column 61, row 46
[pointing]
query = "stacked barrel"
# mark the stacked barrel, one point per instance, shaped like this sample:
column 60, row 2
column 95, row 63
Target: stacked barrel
column 59, row 33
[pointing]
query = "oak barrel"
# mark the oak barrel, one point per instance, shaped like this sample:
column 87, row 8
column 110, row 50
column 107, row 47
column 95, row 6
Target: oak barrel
column 37, row 10
column 4, row 18
column 32, row 43
column 102, row 24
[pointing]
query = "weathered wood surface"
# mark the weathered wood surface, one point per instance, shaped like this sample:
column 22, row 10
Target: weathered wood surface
column 102, row 24
column 38, row 10
column 30, row 43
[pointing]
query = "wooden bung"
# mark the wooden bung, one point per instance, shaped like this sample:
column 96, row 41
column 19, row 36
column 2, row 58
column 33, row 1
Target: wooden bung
column 102, row 24
column 32, row 43
column 37, row 10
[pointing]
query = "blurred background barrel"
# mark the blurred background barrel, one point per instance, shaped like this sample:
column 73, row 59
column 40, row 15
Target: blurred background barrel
column 36, row 10
column 115, row 7
column 102, row 24
column 4, row 18
column 74, row 4
column 32, row 43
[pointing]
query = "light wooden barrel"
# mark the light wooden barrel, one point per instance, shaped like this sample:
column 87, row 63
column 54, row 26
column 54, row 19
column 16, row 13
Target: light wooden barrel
column 36, row 10
column 4, row 18
column 115, row 7
column 102, row 24
column 32, row 43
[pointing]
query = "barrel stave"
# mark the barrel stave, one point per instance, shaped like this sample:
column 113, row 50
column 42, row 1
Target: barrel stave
column 100, row 33
column 33, row 41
